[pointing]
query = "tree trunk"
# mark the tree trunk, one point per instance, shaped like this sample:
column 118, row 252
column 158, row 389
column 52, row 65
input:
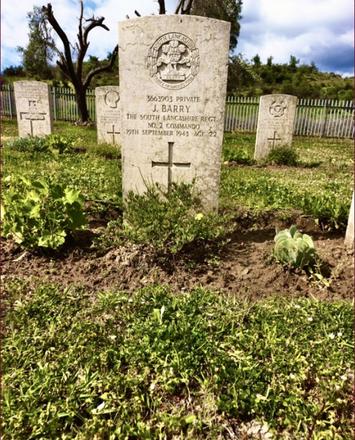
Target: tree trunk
column 82, row 105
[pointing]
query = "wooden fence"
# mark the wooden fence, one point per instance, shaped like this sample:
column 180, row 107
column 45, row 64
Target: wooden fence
column 314, row 117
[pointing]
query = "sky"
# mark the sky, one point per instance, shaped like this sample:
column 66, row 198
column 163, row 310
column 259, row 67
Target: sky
column 321, row 31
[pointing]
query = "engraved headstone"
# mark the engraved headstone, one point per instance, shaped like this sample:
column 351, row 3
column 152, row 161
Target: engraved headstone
column 34, row 114
column 173, row 73
column 349, row 236
column 275, row 123
column 108, row 114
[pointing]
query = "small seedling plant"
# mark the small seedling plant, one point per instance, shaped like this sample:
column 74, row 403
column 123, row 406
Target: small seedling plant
column 294, row 249
column 40, row 213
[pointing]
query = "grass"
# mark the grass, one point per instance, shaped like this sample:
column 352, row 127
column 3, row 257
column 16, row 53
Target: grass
column 195, row 365
column 159, row 365
column 96, row 177
column 320, row 186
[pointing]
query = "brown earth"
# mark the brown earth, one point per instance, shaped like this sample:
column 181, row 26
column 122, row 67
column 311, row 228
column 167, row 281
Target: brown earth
column 242, row 267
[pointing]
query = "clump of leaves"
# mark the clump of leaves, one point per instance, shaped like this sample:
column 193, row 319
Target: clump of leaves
column 60, row 144
column 53, row 143
column 28, row 144
column 238, row 154
column 283, row 156
column 169, row 220
column 294, row 249
column 40, row 213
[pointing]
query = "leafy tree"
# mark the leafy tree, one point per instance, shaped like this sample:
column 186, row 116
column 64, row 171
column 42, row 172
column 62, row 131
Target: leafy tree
column 293, row 63
column 240, row 74
column 14, row 71
column 71, row 60
column 228, row 10
column 39, row 51
column 256, row 61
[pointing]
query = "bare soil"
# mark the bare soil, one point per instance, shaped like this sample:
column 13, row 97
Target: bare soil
column 242, row 267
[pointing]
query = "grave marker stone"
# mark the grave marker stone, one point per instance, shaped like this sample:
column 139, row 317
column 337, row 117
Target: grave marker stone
column 34, row 113
column 108, row 114
column 173, row 75
column 275, row 123
column 349, row 236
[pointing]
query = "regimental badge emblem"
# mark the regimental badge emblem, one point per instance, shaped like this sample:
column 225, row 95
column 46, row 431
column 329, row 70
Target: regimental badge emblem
column 173, row 61
column 278, row 108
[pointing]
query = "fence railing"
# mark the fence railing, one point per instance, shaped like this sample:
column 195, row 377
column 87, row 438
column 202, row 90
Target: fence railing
column 314, row 117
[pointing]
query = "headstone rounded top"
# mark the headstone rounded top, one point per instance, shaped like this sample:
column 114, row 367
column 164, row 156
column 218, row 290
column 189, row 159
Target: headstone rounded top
column 175, row 18
column 31, row 82
column 277, row 95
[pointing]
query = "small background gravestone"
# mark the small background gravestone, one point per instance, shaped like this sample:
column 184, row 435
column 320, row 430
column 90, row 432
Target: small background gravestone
column 173, row 76
column 34, row 114
column 108, row 114
column 349, row 236
column 275, row 123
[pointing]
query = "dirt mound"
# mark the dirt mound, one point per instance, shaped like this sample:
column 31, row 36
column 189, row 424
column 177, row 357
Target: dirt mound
column 243, row 267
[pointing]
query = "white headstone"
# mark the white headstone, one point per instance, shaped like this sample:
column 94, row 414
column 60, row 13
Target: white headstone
column 275, row 123
column 34, row 114
column 108, row 114
column 173, row 75
column 349, row 236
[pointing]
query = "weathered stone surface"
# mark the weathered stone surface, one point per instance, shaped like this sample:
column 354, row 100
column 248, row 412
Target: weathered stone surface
column 349, row 236
column 108, row 114
column 173, row 74
column 34, row 114
column 275, row 123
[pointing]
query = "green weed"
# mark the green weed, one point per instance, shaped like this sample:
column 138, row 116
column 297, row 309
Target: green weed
column 40, row 213
column 283, row 156
column 54, row 143
column 160, row 365
column 170, row 220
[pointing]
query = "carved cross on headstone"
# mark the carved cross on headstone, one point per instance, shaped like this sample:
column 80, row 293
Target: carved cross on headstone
column 32, row 115
column 113, row 132
column 274, row 139
column 170, row 164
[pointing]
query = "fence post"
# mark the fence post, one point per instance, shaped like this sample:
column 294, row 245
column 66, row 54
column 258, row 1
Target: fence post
column 54, row 104
column 10, row 101
column 323, row 132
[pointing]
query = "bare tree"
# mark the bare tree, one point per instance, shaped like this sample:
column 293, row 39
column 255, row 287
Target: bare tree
column 73, row 68
column 184, row 7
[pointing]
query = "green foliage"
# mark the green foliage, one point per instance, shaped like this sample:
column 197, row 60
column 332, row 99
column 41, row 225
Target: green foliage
column 109, row 151
column 53, row 143
column 156, row 364
column 238, row 154
column 170, row 220
column 294, row 249
column 39, row 51
column 227, row 10
column 40, row 213
column 250, row 78
column 283, row 156
column 60, row 144
column 323, row 192
column 29, row 144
